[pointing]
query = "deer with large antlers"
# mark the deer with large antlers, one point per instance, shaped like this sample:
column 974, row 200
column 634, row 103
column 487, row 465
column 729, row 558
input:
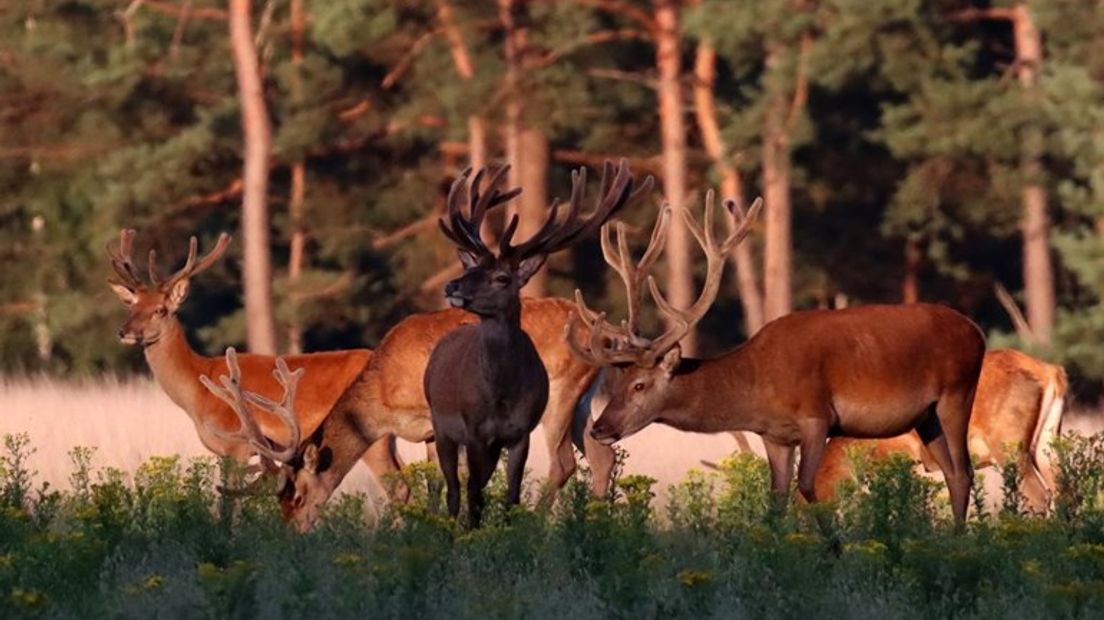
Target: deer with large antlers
column 152, row 324
column 1017, row 413
column 870, row 371
column 485, row 383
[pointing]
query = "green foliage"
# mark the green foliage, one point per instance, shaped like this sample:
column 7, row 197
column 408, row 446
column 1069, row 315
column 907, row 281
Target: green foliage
column 156, row 546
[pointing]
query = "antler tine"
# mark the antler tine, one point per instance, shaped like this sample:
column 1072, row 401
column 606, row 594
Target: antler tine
column 685, row 320
column 621, row 262
column 553, row 237
column 191, row 266
column 285, row 409
column 121, row 260
column 463, row 231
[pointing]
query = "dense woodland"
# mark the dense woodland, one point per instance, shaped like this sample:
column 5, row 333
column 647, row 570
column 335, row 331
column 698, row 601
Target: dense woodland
column 934, row 150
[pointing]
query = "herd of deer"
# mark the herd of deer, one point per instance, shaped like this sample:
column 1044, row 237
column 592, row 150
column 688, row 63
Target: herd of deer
column 912, row 379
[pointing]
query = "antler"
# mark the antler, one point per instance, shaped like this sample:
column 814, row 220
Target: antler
column 250, row 432
column 616, row 191
column 464, row 231
column 121, row 259
column 123, row 263
column 191, row 267
column 610, row 345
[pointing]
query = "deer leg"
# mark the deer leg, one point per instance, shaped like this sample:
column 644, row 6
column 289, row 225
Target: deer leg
column 448, row 453
column 481, row 466
column 781, row 459
column 561, row 459
column 1033, row 487
column 382, row 458
column 814, row 436
column 944, row 434
column 602, row 460
column 515, row 471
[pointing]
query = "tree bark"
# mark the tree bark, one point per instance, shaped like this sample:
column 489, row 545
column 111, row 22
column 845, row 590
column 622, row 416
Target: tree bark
column 257, row 268
column 533, row 203
column 751, row 296
column 298, row 186
column 465, row 68
column 1038, row 272
column 910, row 284
column 680, row 275
column 778, row 242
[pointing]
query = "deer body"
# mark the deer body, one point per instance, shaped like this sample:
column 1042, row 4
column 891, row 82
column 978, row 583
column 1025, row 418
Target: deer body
column 1016, row 413
column 152, row 323
column 870, row 371
column 485, row 383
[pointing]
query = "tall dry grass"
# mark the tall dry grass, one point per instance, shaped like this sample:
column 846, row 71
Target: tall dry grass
column 128, row 421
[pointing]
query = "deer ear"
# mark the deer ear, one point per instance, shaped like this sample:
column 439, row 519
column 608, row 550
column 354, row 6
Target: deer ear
column 178, row 293
column 467, row 259
column 529, row 267
column 310, row 458
column 124, row 294
column 671, row 360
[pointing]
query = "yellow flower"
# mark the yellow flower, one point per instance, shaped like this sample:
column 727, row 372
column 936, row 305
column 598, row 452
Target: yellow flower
column 867, row 547
column 693, row 578
column 1088, row 551
column 153, row 582
column 800, row 540
column 1033, row 568
column 347, row 559
column 27, row 597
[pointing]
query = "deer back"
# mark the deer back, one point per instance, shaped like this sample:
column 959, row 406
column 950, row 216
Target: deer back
column 327, row 376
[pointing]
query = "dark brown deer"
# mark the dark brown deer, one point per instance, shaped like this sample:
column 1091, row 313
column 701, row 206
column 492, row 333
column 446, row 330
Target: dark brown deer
column 485, row 383
column 870, row 371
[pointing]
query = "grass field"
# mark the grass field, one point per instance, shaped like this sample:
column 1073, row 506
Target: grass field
column 124, row 533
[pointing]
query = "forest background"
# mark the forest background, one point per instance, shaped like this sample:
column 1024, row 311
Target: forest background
column 906, row 150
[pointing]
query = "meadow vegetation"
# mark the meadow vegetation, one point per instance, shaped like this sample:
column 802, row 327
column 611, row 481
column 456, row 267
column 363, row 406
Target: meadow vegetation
column 163, row 543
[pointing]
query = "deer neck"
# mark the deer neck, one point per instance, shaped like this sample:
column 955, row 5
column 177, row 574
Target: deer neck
column 346, row 440
column 500, row 337
column 714, row 396
column 177, row 367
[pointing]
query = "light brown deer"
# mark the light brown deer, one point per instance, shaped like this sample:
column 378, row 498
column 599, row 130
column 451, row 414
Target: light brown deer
column 152, row 324
column 869, row 371
column 1017, row 413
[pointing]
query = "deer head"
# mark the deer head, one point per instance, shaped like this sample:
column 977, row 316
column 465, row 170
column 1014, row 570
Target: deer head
column 298, row 490
column 153, row 304
column 491, row 281
column 643, row 369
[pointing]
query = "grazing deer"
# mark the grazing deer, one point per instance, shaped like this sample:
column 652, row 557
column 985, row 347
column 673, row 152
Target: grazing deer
column 485, row 383
column 1017, row 413
column 153, row 325
column 870, row 371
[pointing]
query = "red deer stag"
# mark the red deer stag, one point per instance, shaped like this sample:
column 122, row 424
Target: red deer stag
column 485, row 383
column 153, row 325
column 1017, row 413
column 870, row 371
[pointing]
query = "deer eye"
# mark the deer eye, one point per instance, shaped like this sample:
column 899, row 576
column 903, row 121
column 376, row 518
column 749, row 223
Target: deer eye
column 501, row 278
column 161, row 311
column 638, row 386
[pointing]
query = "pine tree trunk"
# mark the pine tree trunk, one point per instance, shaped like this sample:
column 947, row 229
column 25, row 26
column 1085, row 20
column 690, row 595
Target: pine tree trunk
column 751, row 296
column 910, row 284
column 1038, row 273
column 298, row 187
column 680, row 275
column 257, row 267
column 778, row 243
column 465, row 68
column 533, row 203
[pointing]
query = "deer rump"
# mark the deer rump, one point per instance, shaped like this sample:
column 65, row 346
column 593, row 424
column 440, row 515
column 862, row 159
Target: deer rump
column 1017, row 411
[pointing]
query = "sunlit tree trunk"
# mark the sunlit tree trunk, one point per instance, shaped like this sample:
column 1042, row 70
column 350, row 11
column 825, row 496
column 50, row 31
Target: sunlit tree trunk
column 257, row 265
column 533, row 203
column 778, row 243
column 751, row 296
column 680, row 275
column 910, row 283
column 1038, row 272
column 298, row 186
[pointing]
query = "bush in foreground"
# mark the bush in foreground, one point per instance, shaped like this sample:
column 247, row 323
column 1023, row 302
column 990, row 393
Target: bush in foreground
column 165, row 545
